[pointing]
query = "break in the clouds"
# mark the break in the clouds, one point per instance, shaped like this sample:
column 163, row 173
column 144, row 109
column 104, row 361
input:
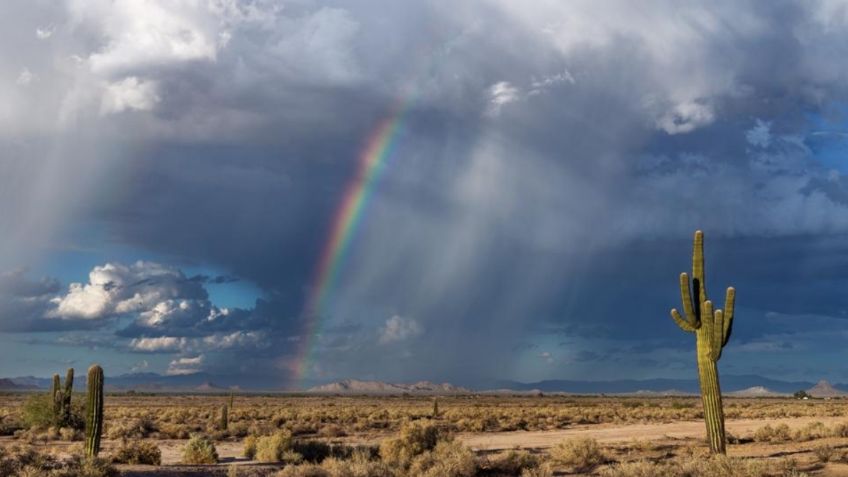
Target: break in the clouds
column 551, row 162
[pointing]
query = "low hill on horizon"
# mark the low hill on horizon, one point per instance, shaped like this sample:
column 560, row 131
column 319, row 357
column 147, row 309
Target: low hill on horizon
column 353, row 386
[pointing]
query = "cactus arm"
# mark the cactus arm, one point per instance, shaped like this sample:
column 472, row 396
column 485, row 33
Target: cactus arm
column 698, row 278
column 683, row 324
column 729, row 301
column 708, row 327
column 718, row 335
column 686, row 297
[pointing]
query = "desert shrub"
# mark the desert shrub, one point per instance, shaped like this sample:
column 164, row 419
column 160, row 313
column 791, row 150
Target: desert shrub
column 779, row 433
column 38, row 414
column 21, row 462
column 311, row 450
column 581, row 453
column 93, row 468
column 512, row 463
column 543, row 470
column 716, row 466
column 824, row 453
column 840, row 430
column 135, row 429
column 415, row 438
column 307, row 470
column 249, row 447
column 199, row 450
column 274, row 448
column 813, row 430
column 359, row 465
column 137, row 452
column 447, row 459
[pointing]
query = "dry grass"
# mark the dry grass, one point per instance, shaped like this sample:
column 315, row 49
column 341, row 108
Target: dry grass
column 315, row 435
column 581, row 454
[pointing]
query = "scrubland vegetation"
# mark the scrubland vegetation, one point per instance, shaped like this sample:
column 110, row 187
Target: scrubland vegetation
column 399, row 437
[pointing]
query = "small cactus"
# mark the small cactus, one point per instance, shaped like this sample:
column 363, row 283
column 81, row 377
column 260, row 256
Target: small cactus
column 712, row 331
column 232, row 398
column 94, row 411
column 436, row 407
column 224, row 418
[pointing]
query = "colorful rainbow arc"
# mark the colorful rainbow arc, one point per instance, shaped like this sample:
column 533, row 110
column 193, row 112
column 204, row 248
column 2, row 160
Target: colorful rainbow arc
column 348, row 216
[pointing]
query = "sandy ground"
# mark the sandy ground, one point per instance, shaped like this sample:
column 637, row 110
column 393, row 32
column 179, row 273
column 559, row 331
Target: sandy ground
column 675, row 433
column 615, row 433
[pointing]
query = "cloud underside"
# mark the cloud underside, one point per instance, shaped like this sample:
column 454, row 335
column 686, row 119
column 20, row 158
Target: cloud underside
column 551, row 164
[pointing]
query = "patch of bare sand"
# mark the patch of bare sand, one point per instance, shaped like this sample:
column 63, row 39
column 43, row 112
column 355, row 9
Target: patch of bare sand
column 617, row 433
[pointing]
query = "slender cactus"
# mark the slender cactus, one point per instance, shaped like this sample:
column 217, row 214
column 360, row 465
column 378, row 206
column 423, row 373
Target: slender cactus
column 225, row 420
column 66, row 397
column 712, row 330
column 94, row 411
column 56, row 392
column 436, row 407
column 232, row 398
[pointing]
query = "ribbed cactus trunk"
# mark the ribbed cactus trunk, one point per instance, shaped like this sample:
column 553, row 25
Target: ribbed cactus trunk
column 712, row 331
column 94, row 411
column 710, row 396
column 66, row 397
column 56, row 392
column 225, row 418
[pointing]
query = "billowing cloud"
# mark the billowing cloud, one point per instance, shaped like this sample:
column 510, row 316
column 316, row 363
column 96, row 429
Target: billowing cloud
column 154, row 291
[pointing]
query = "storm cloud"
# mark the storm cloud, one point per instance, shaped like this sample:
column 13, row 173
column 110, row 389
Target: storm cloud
column 552, row 162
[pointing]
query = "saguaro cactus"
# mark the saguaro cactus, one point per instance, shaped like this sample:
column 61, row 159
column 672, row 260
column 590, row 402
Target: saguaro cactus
column 56, row 392
column 712, row 330
column 94, row 411
column 66, row 397
column 225, row 418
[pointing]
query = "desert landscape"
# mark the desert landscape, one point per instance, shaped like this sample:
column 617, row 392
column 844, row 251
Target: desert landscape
column 460, row 435
column 423, row 238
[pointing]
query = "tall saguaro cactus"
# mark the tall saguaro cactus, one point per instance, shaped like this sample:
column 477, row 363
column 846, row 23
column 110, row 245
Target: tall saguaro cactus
column 56, row 392
column 66, row 397
column 94, row 411
column 712, row 329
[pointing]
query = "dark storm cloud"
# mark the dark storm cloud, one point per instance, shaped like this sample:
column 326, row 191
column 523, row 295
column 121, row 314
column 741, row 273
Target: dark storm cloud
column 553, row 162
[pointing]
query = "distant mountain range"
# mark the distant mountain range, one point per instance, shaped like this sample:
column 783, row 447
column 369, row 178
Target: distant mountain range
column 729, row 383
column 734, row 385
column 824, row 389
column 352, row 386
column 10, row 385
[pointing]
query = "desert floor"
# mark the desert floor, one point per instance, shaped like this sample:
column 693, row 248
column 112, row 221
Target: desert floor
column 654, row 429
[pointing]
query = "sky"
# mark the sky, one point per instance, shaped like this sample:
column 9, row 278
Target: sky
column 306, row 191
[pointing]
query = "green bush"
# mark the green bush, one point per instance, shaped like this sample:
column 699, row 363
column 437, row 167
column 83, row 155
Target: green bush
column 199, row 450
column 38, row 414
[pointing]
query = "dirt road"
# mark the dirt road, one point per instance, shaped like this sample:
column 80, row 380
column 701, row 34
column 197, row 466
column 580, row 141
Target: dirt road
column 630, row 432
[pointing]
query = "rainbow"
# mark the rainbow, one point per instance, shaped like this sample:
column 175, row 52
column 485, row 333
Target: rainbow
column 348, row 216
